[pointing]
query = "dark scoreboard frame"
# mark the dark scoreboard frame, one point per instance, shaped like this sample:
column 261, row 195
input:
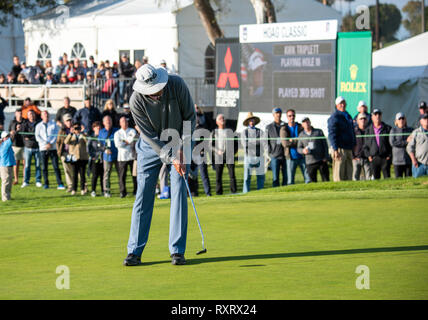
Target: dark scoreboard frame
column 311, row 74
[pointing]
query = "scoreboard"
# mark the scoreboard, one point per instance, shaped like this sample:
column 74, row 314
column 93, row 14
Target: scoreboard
column 288, row 65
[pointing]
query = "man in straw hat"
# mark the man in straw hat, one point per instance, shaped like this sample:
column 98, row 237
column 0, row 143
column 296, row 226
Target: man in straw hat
column 253, row 158
column 159, row 102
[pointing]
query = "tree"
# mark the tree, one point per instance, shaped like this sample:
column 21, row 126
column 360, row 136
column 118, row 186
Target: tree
column 348, row 23
column 15, row 8
column 264, row 10
column 389, row 21
column 414, row 16
column 209, row 20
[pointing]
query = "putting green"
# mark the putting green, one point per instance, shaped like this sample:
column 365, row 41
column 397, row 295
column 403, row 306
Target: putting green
column 298, row 242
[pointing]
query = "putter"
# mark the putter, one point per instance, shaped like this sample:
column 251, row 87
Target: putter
column 197, row 219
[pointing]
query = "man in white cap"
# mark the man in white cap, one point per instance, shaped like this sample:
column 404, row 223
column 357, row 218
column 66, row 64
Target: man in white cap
column 362, row 109
column 342, row 140
column 160, row 102
column 164, row 65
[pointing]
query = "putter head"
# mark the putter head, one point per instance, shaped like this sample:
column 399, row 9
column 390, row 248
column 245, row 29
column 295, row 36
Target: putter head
column 201, row 252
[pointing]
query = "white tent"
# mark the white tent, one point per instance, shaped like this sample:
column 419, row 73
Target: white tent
column 400, row 78
column 104, row 28
column 12, row 40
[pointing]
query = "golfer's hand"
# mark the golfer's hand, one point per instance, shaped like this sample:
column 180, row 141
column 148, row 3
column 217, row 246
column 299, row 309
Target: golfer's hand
column 180, row 167
column 179, row 163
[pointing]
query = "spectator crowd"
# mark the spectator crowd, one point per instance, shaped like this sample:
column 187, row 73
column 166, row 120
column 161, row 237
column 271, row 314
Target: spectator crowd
column 104, row 80
column 91, row 144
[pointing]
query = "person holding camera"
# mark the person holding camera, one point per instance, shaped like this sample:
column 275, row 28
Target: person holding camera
column 313, row 145
column 78, row 156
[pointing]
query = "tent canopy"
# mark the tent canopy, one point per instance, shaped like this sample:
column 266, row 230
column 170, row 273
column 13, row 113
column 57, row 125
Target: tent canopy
column 403, row 62
column 400, row 78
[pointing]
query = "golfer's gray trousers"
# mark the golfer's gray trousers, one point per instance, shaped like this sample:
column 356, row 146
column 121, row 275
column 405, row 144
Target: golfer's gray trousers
column 148, row 167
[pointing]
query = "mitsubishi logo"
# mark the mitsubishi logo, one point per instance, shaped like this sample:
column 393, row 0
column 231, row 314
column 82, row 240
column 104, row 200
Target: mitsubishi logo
column 228, row 76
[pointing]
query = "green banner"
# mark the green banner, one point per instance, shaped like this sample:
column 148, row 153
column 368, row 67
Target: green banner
column 354, row 68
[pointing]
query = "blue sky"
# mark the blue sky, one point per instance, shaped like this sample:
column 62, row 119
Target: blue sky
column 343, row 6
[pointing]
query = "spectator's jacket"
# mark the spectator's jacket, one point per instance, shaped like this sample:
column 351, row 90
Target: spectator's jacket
column 106, row 138
column 152, row 117
column 46, row 133
column 109, row 86
column 33, row 107
column 77, row 146
column 286, row 141
column 87, row 116
column 252, row 143
column 318, row 147
column 341, row 131
column 16, row 70
column 71, row 74
column 95, row 149
column 398, row 141
column 230, row 146
column 275, row 148
column 62, row 111
column 7, row 157
column 61, row 148
column 124, row 150
column 419, row 145
column 371, row 149
column 358, row 150
column 126, row 70
column 3, row 105
column 18, row 139
column 59, row 70
column 29, row 136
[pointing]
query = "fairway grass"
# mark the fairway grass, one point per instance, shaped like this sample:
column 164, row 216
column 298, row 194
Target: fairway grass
column 293, row 242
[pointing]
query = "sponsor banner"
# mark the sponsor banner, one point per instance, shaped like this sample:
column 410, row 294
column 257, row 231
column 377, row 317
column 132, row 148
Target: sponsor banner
column 228, row 73
column 289, row 31
column 354, row 68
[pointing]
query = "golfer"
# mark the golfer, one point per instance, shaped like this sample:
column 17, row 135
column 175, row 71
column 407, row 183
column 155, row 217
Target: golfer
column 159, row 102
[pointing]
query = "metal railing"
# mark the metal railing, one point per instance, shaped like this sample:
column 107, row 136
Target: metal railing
column 45, row 95
column 99, row 91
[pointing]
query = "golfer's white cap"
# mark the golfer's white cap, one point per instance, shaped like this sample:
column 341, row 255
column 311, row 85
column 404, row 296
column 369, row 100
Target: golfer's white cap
column 150, row 79
column 339, row 100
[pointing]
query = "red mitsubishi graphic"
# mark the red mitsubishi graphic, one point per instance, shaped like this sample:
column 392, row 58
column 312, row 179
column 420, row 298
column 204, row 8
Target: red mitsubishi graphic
column 228, row 76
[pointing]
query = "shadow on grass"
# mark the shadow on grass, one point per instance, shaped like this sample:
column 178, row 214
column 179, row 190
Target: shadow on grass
column 293, row 255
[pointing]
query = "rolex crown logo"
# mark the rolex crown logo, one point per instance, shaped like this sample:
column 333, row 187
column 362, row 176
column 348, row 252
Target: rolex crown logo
column 353, row 70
